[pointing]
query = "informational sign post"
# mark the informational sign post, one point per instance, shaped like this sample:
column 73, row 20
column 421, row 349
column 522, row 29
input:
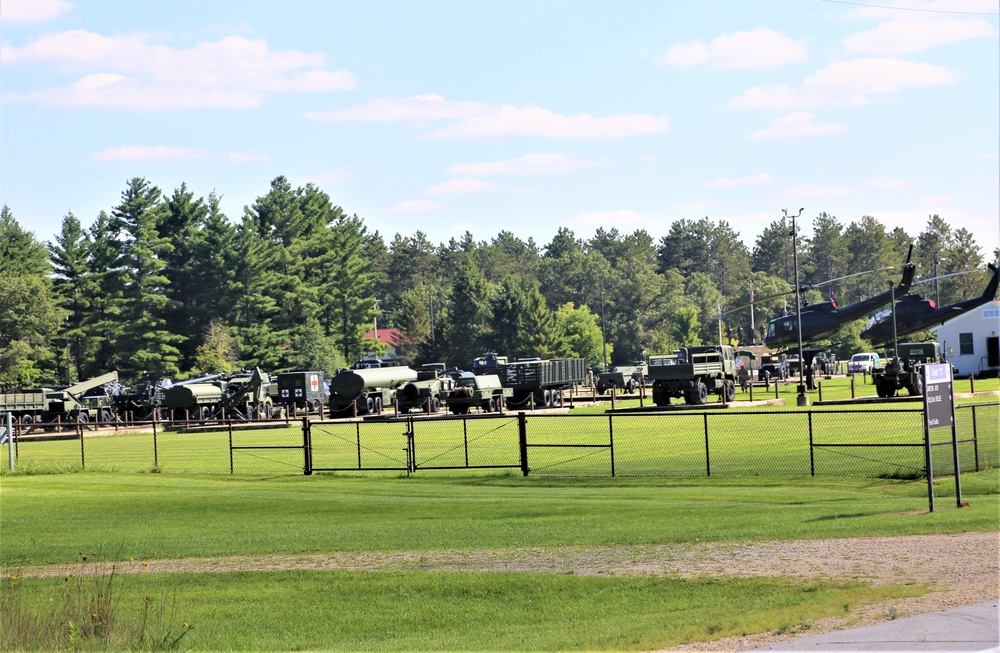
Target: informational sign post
column 939, row 413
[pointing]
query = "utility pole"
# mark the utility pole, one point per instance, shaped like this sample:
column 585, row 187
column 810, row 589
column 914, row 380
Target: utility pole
column 801, row 399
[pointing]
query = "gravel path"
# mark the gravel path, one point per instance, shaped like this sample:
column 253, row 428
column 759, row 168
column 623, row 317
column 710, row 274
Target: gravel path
column 959, row 569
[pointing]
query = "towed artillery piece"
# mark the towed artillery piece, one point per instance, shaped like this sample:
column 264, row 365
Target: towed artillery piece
column 428, row 392
column 367, row 390
column 243, row 395
column 64, row 404
column 694, row 373
column 482, row 391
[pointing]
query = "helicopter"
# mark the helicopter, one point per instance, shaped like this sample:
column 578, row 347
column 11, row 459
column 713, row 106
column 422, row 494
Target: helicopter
column 822, row 320
column 914, row 313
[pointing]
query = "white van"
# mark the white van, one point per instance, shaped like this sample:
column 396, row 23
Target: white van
column 863, row 362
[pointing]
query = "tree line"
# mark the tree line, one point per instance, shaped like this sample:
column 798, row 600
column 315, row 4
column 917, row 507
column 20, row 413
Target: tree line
column 169, row 285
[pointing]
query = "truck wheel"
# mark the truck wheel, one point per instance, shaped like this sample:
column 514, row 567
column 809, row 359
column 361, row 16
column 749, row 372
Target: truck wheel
column 630, row 386
column 83, row 417
column 918, row 386
column 105, row 416
column 369, row 405
column 492, row 406
column 435, row 404
column 378, row 405
column 728, row 392
column 547, row 398
column 702, row 394
column 27, row 419
column 601, row 388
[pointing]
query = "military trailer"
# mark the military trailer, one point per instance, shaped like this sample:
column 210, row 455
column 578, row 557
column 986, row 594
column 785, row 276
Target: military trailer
column 623, row 377
column 61, row 404
column 540, row 382
column 304, row 389
column 697, row 372
column 370, row 390
column 242, row 395
column 482, row 391
column 428, row 392
column 906, row 369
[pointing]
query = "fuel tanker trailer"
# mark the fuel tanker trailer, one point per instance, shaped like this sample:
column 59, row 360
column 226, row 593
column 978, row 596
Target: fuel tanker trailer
column 370, row 389
column 243, row 395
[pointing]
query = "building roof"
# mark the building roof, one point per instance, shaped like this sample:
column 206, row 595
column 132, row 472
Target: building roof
column 388, row 336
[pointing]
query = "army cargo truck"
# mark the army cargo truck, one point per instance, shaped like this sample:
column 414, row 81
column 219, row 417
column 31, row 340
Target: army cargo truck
column 482, row 391
column 623, row 377
column 369, row 389
column 303, row 389
column 772, row 366
column 64, row 405
column 428, row 392
column 906, row 369
column 540, row 382
column 697, row 372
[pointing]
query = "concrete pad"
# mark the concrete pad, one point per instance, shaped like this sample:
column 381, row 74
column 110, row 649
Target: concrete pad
column 969, row 628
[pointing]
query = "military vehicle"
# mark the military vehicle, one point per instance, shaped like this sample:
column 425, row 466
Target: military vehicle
column 533, row 381
column 369, row 389
column 62, row 404
column 428, row 392
column 484, row 391
column 242, row 395
column 772, row 366
column 694, row 373
column 623, row 377
column 906, row 369
column 914, row 313
column 139, row 403
column 304, row 389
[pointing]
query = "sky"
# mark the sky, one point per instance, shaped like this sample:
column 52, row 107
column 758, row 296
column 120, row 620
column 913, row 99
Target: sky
column 449, row 116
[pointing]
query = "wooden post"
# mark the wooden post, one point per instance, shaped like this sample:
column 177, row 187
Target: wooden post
column 972, row 383
column 819, row 385
column 852, row 386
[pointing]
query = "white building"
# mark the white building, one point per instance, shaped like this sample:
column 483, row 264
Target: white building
column 972, row 341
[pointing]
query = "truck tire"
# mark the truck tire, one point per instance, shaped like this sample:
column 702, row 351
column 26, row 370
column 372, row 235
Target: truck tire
column 435, row 404
column 83, row 418
column 918, row 386
column 728, row 392
column 105, row 416
column 369, row 405
column 702, row 394
column 27, row 419
column 601, row 388
column 630, row 386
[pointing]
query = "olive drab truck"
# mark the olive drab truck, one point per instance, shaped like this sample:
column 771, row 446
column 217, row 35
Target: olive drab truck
column 693, row 373
column 304, row 389
column 243, row 395
column 538, row 383
column 65, row 404
column 367, row 390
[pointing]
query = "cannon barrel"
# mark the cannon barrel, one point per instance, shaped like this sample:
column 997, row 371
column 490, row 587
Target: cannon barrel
column 350, row 383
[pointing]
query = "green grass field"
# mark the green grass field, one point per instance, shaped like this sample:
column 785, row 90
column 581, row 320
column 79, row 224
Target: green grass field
column 187, row 505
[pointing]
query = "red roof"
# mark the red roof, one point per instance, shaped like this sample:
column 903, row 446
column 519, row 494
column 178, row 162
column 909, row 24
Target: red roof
column 389, row 336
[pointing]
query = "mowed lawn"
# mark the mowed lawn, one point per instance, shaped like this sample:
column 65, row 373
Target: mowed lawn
column 51, row 519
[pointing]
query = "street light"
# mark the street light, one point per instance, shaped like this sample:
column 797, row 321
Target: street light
column 801, row 399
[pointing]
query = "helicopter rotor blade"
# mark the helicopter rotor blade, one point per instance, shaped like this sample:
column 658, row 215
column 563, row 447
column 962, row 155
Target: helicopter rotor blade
column 848, row 276
column 758, row 300
column 943, row 276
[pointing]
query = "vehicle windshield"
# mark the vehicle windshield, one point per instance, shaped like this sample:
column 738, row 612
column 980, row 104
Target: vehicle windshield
column 859, row 357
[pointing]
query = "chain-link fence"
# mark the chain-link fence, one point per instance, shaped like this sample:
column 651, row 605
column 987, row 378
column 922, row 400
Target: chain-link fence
column 839, row 443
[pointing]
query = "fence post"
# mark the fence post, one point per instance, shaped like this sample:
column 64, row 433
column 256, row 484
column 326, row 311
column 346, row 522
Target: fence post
column 975, row 438
column 812, row 451
column 79, row 430
column 751, row 389
column 611, row 441
column 307, row 445
column 776, row 388
column 465, row 439
column 819, row 386
column 972, row 383
column 708, row 463
column 613, row 397
column 522, row 438
column 232, row 469
column 852, row 386
column 156, row 451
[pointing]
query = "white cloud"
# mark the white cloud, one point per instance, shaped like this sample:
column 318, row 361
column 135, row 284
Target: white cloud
column 461, row 186
column 888, row 183
column 817, row 190
column 909, row 36
column 848, row 83
column 796, row 125
column 760, row 48
column 21, row 12
column 136, row 73
column 533, row 121
column 529, row 164
column 618, row 218
column 722, row 182
column 413, row 206
column 481, row 120
column 420, row 109
column 169, row 153
column 933, row 201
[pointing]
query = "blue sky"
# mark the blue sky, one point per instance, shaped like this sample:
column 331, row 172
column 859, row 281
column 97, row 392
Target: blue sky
column 448, row 116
